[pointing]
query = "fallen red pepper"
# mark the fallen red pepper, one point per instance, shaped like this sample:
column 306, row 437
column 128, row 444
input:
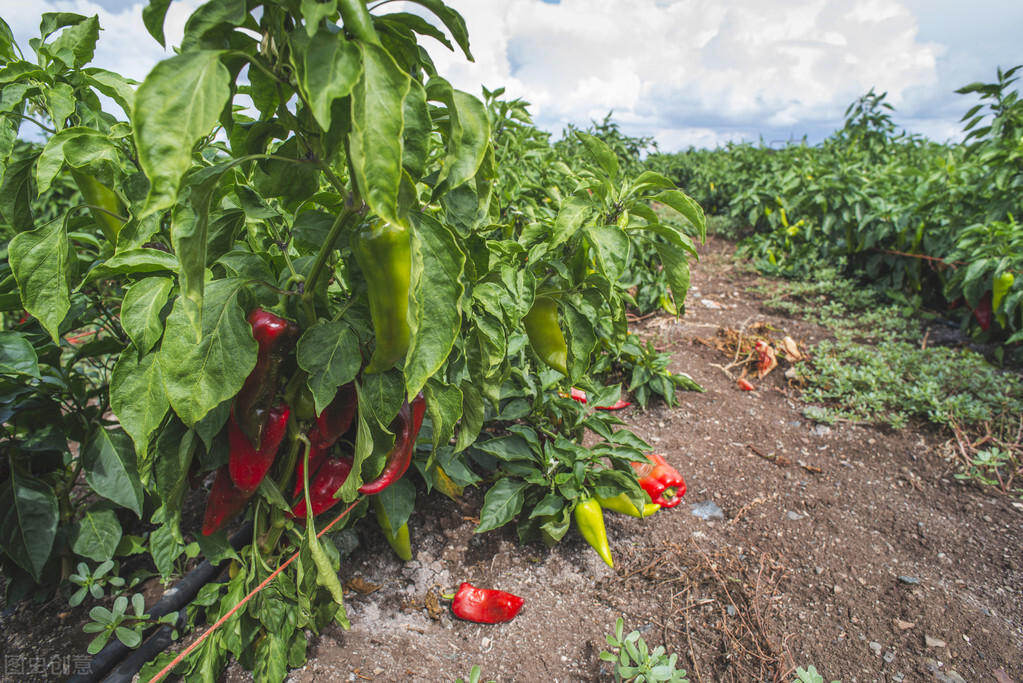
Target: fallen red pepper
column 322, row 487
column 485, row 606
column 249, row 465
column 275, row 337
column 224, row 503
column 744, row 385
column 661, row 481
column 406, row 429
column 336, row 418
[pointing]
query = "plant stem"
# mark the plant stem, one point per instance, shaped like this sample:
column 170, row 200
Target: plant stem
column 321, row 260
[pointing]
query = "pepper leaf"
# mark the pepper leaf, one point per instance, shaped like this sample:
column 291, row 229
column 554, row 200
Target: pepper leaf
column 329, row 352
column 138, row 396
column 502, row 502
column 28, row 521
column 96, row 535
column 111, row 469
column 39, row 259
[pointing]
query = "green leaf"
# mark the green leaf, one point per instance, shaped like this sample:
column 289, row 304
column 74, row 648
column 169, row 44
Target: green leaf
column 444, row 405
column 436, row 313
column 207, row 364
column 82, row 148
column 676, row 269
column 610, row 249
column 178, row 104
column 581, row 340
column 210, row 26
column 687, row 207
column 111, row 468
column 17, row 357
column 452, row 20
column 377, row 124
column 39, row 259
column 140, row 311
column 113, row 85
column 329, row 352
column 133, row 261
column 96, row 535
column 600, row 152
column 28, row 521
column 153, row 16
column 472, row 416
column 314, row 12
column 59, row 102
column 327, row 67
column 399, row 499
column 216, row 548
column 165, row 549
column 16, row 194
column 137, row 396
column 468, row 134
column 78, row 40
column 502, row 502
column 650, row 180
column 573, row 215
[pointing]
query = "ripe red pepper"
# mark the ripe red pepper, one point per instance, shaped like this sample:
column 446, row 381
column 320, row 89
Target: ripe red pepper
column 249, row 465
column 744, row 385
column 580, row 396
column 485, row 606
column 336, row 418
column 322, row 487
column 984, row 312
column 317, row 456
column 224, row 503
column 276, row 337
column 406, row 428
column 661, row 481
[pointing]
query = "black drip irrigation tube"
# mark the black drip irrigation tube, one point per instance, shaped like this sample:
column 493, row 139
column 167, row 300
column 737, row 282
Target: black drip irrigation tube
column 157, row 638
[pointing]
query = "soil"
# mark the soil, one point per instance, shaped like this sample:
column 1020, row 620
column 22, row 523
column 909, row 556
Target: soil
column 849, row 547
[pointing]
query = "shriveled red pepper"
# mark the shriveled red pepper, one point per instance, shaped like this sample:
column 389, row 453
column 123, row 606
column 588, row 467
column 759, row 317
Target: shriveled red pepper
column 336, row 418
column 984, row 312
column 249, row 465
column 745, row 385
column 224, row 503
column 661, row 481
column 322, row 487
column 485, row 606
column 275, row 337
column 406, row 429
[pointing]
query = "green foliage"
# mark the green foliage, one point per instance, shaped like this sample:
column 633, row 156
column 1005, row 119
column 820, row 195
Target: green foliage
column 929, row 221
column 809, row 675
column 475, row 675
column 635, row 662
column 895, row 381
column 93, row 582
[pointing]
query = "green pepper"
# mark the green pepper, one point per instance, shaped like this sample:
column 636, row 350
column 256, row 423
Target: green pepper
column 108, row 204
column 545, row 335
column 384, row 252
column 399, row 540
column 589, row 517
column 622, row 504
column 1003, row 283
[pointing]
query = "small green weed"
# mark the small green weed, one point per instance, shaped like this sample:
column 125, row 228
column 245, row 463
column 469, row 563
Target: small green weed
column 809, row 675
column 634, row 662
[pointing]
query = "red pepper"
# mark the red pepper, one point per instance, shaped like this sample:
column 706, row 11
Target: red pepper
column 580, row 395
column 984, row 313
column 618, row 405
column 329, row 478
column 485, row 606
column 224, row 503
column 317, row 456
column 249, row 465
column 406, row 428
column 276, row 337
column 661, row 481
column 336, row 418
column 744, row 385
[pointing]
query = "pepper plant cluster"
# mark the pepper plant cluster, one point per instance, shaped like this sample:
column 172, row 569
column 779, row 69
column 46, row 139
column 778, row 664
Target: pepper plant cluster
column 297, row 263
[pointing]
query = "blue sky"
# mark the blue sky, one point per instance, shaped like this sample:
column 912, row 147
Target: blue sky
column 687, row 72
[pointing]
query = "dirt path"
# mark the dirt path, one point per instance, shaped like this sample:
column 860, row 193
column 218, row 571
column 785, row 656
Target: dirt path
column 851, row 548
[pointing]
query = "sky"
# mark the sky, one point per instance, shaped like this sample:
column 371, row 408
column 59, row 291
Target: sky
column 685, row 72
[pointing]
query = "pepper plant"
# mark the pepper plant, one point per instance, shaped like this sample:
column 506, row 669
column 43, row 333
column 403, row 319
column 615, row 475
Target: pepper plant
column 301, row 166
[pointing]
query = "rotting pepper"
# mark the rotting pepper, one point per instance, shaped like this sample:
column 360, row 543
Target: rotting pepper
column 545, row 336
column 484, row 605
column 275, row 337
column 248, row 465
column 400, row 541
column 384, row 253
column 661, row 481
column 328, row 479
column 589, row 517
column 224, row 503
column 622, row 504
column 406, row 429
column 984, row 312
column 108, row 204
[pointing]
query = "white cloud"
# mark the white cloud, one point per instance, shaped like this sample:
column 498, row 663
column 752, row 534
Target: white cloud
column 691, row 67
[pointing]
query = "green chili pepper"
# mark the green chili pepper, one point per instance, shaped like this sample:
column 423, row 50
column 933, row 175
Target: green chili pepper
column 1003, row 283
column 589, row 517
column 545, row 335
column 622, row 504
column 384, row 252
column 96, row 194
column 399, row 540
